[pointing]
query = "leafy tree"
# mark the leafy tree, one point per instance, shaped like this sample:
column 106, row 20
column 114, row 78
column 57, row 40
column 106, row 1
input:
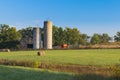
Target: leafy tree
column 65, row 36
column 117, row 37
column 27, row 37
column 105, row 38
column 59, row 35
column 83, row 39
column 27, row 32
column 55, row 35
column 62, row 36
column 96, row 39
column 72, row 35
column 3, row 30
column 68, row 35
column 75, row 36
column 9, row 37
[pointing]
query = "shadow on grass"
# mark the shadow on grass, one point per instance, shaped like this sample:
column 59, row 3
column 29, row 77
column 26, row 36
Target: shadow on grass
column 18, row 73
column 93, row 77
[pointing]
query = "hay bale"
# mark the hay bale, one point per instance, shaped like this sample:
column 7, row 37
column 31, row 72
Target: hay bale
column 7, row 50
column 41, row 53
column 4, row 50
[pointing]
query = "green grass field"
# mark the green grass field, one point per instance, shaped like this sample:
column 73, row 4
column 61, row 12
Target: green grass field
column 101, row 57
column 21, row 73
column 79, row 57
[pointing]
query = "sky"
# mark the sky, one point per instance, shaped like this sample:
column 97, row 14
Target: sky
column 89, row 16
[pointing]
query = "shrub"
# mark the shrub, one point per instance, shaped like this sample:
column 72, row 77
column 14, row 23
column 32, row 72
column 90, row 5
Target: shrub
column 116, row 71
column 33, row 64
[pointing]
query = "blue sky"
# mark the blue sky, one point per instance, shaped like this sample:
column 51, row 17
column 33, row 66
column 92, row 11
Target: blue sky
column 89, row 16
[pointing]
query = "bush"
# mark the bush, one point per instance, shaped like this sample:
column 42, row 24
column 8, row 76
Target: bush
column 116, row 71
column 33, row 64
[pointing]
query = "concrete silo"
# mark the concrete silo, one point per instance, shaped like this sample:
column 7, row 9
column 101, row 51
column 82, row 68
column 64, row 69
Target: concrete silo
column 36, row 38
column 47, row 34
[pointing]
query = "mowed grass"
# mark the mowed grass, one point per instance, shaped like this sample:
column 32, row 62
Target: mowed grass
column 21, row 73
column 77, row 57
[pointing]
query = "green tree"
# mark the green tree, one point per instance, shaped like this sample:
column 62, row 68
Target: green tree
column 73, row 36
column 27, row 37
column 55, row 35
column 117, row 37
column 96, row 39
column 9, row 37
column 59, row 36
column 68, row 35
column 27, row 32
column 65, row 36
column 3, row 30
column 62, row 36
column 83, row 39
column 105, row 38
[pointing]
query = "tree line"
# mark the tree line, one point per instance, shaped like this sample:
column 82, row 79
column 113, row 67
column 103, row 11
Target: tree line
column 12, row 38
column 72, row 36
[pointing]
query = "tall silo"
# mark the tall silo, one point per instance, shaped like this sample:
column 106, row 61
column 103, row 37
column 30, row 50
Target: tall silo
column 36, row 38
column 47, row 34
